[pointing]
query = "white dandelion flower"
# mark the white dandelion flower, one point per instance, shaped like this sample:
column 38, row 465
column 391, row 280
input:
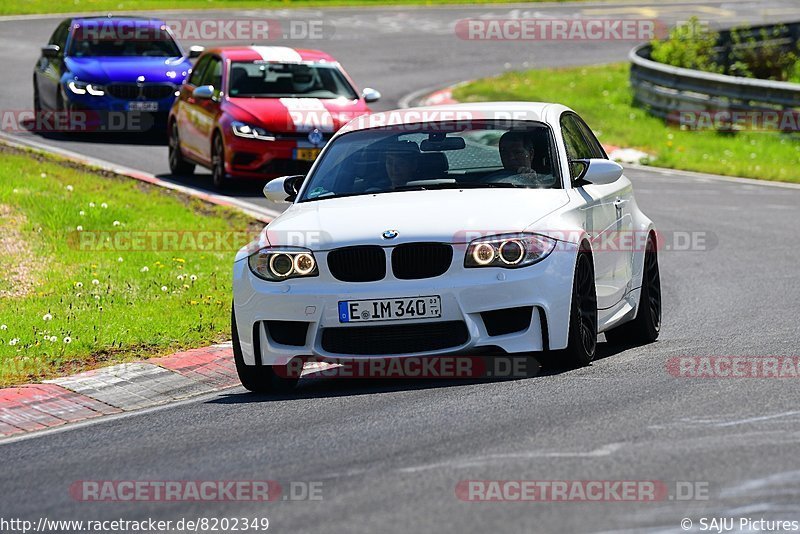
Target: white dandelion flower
column 164, row 288
column 69, row 188
column 78, row 284
column 47, row 317
column 104, row 205
column 3, row 327
column 193, row 278
column 91, row 204
column 120, row 260
column 144, row 269
column 95, row 282
column 79, row 228
column 14, row 341
column 67, row 340
column 116, row 223
column 81, row 213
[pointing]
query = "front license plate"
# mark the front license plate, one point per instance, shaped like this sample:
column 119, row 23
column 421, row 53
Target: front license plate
column 361, row 311
column 306, row 154
column 142, row 106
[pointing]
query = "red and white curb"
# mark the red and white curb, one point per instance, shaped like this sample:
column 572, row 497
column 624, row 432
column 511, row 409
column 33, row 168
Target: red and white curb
column 121, row 388
column 115, row 389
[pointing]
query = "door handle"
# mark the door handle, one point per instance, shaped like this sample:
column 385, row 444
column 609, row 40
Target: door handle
column 619, row 203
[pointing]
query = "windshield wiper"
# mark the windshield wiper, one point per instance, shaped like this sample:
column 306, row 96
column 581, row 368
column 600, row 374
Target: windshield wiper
column 477, row 185
column 408, row 188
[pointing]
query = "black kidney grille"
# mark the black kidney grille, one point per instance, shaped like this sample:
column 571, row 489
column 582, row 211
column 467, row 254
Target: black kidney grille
column 358, row 264
column 132, row 91
column 158, row 91
column 395, row 339
column 124, row 91
column 421, row 260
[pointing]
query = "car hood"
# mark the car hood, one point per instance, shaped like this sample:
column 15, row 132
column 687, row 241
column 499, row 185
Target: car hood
column 283, row 115
column 447, row 216
column 103, row 70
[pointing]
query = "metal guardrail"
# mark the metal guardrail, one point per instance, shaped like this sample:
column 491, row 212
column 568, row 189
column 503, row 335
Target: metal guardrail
column 666, row 90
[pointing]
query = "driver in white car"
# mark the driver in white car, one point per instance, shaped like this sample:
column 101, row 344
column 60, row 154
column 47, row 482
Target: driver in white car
column 402, row 160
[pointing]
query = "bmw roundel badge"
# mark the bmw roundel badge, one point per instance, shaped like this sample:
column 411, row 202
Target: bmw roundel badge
column 390, row 234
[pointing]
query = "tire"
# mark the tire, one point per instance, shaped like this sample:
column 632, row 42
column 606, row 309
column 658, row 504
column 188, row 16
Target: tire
column 37, row 102
column 279, row 379
column 178, row 165
column 582, row 339
column 646, row 326
column 218, row 163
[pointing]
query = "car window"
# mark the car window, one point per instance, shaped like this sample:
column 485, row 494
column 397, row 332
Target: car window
column 574, row 142
column 591, row 140
column 198, row 71
column 262, row 79
column 59, row 36
column 436, row 155
column 93, row 39
column 213, row 74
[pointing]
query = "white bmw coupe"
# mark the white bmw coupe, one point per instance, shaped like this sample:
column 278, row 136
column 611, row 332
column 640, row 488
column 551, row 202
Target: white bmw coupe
column 448, row 230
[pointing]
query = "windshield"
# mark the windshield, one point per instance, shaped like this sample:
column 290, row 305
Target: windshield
column 434, row 156
column 159, row 43
column 286, row 80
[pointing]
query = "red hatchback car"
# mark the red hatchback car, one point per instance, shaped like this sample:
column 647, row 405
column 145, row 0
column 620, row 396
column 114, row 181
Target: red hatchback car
column 260, row 111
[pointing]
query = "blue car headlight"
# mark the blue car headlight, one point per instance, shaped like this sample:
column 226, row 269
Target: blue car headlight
column 509, row 251
column 81, row 88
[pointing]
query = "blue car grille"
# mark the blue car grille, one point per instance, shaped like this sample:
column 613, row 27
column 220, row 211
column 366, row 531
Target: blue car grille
column 147, row 91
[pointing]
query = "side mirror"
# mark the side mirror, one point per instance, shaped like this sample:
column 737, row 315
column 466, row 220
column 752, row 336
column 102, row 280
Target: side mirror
column 204, row 92
column 595, row 171
column 370, row 95
column 195, row 51
column 284, row 189
column 51, row 51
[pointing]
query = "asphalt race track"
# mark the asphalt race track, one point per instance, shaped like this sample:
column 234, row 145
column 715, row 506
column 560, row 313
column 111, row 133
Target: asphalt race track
column 389, row 454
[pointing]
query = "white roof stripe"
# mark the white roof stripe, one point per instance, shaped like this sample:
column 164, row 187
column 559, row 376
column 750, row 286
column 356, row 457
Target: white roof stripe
column 277, row 53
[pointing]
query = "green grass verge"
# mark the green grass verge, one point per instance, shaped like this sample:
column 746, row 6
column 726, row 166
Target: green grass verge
column 64, row 308
column 602, row 96
column 24, row 7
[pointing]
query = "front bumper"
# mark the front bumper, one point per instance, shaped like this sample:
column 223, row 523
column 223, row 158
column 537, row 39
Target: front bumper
column 259, row 159
column 110, row 115
column 466, row 294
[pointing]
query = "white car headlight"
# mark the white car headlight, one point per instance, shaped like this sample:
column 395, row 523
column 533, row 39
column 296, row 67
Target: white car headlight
column 242, row 129
column 81, row 88
column 282, row 263
column 508, row 251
